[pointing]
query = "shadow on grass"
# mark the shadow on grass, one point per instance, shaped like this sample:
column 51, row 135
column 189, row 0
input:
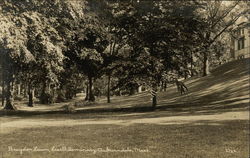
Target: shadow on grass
column 224, row 90
column 137, row 112
column 196, row 139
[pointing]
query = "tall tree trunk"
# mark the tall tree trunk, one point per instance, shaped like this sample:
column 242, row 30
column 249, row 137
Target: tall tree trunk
column 162, row 86
column 154, row 99
column 30, row 94
column 8, row 79
column 18, row 89
column 132, row 90
column 43, row 97
column 154, row 96
column 49, row 88
column 25, row 90
column 165, row 86
column 91, row 95
column 154, row 102
column 33, row 93
column 185, row 67
column 186, row 74
column 3, row 91
column 119, row 92
column 13, row 89
column 108, row 93
column 9, row 93
column 192, row 65
column 205, row 65
column 154, row 86
column 87, row 92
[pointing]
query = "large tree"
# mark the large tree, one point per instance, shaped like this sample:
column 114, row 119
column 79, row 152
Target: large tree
column 13, row 49
column 31, row 43
column 219, row 17
column 86, row 43
column 160, row 34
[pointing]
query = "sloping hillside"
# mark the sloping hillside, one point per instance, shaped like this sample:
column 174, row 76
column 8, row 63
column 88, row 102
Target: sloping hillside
column 226, row 88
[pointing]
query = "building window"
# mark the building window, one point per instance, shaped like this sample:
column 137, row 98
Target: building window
column 238, row 32
column 241, row 43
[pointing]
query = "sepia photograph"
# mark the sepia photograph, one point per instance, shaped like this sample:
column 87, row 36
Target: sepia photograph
column 124, row 79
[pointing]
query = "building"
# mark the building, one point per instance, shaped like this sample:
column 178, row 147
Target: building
column 240, row 41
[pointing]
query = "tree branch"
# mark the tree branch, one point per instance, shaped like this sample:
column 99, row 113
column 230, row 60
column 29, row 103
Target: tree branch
column 224, row 15
column 224, row 29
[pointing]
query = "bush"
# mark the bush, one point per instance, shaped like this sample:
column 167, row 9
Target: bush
column 69, row 108
column 79, row 104
column 18, row 98
column 47, row 98
column 60, row 96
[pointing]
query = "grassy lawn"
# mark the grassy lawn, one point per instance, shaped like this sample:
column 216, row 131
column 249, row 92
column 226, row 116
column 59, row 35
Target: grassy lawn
column 210, row 121
column 206, row 139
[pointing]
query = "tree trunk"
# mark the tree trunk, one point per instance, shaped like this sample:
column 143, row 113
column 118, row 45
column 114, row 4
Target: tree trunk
column 154, row 96
column 91, row 95
column 3, row 97
column 108, row 93
column 3, row 92
column 9, row 94
column 205, row 65
column 43, row 97
column 25, row 90
column 8, row 79
column 154, row 102
column 49, row 88
column 30, row 95
column 18, row 89
column 87, row 93
column 13, row 89
column 33, row 93
column 165, row 86
column 119, row 92
column 185, row 74
column 192, row 65
column 132, row 91
column 154, row 86
column 162, row 85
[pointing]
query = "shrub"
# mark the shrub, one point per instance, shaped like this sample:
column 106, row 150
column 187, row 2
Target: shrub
column 18, row 97
column 46, row 98
column 69, row 108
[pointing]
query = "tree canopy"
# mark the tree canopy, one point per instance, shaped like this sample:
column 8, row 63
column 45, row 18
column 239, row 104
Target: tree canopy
column 50, row 46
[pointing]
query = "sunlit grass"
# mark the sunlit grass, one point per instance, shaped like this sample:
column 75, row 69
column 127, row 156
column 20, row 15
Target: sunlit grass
column 174, row 141
column 210, row 121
